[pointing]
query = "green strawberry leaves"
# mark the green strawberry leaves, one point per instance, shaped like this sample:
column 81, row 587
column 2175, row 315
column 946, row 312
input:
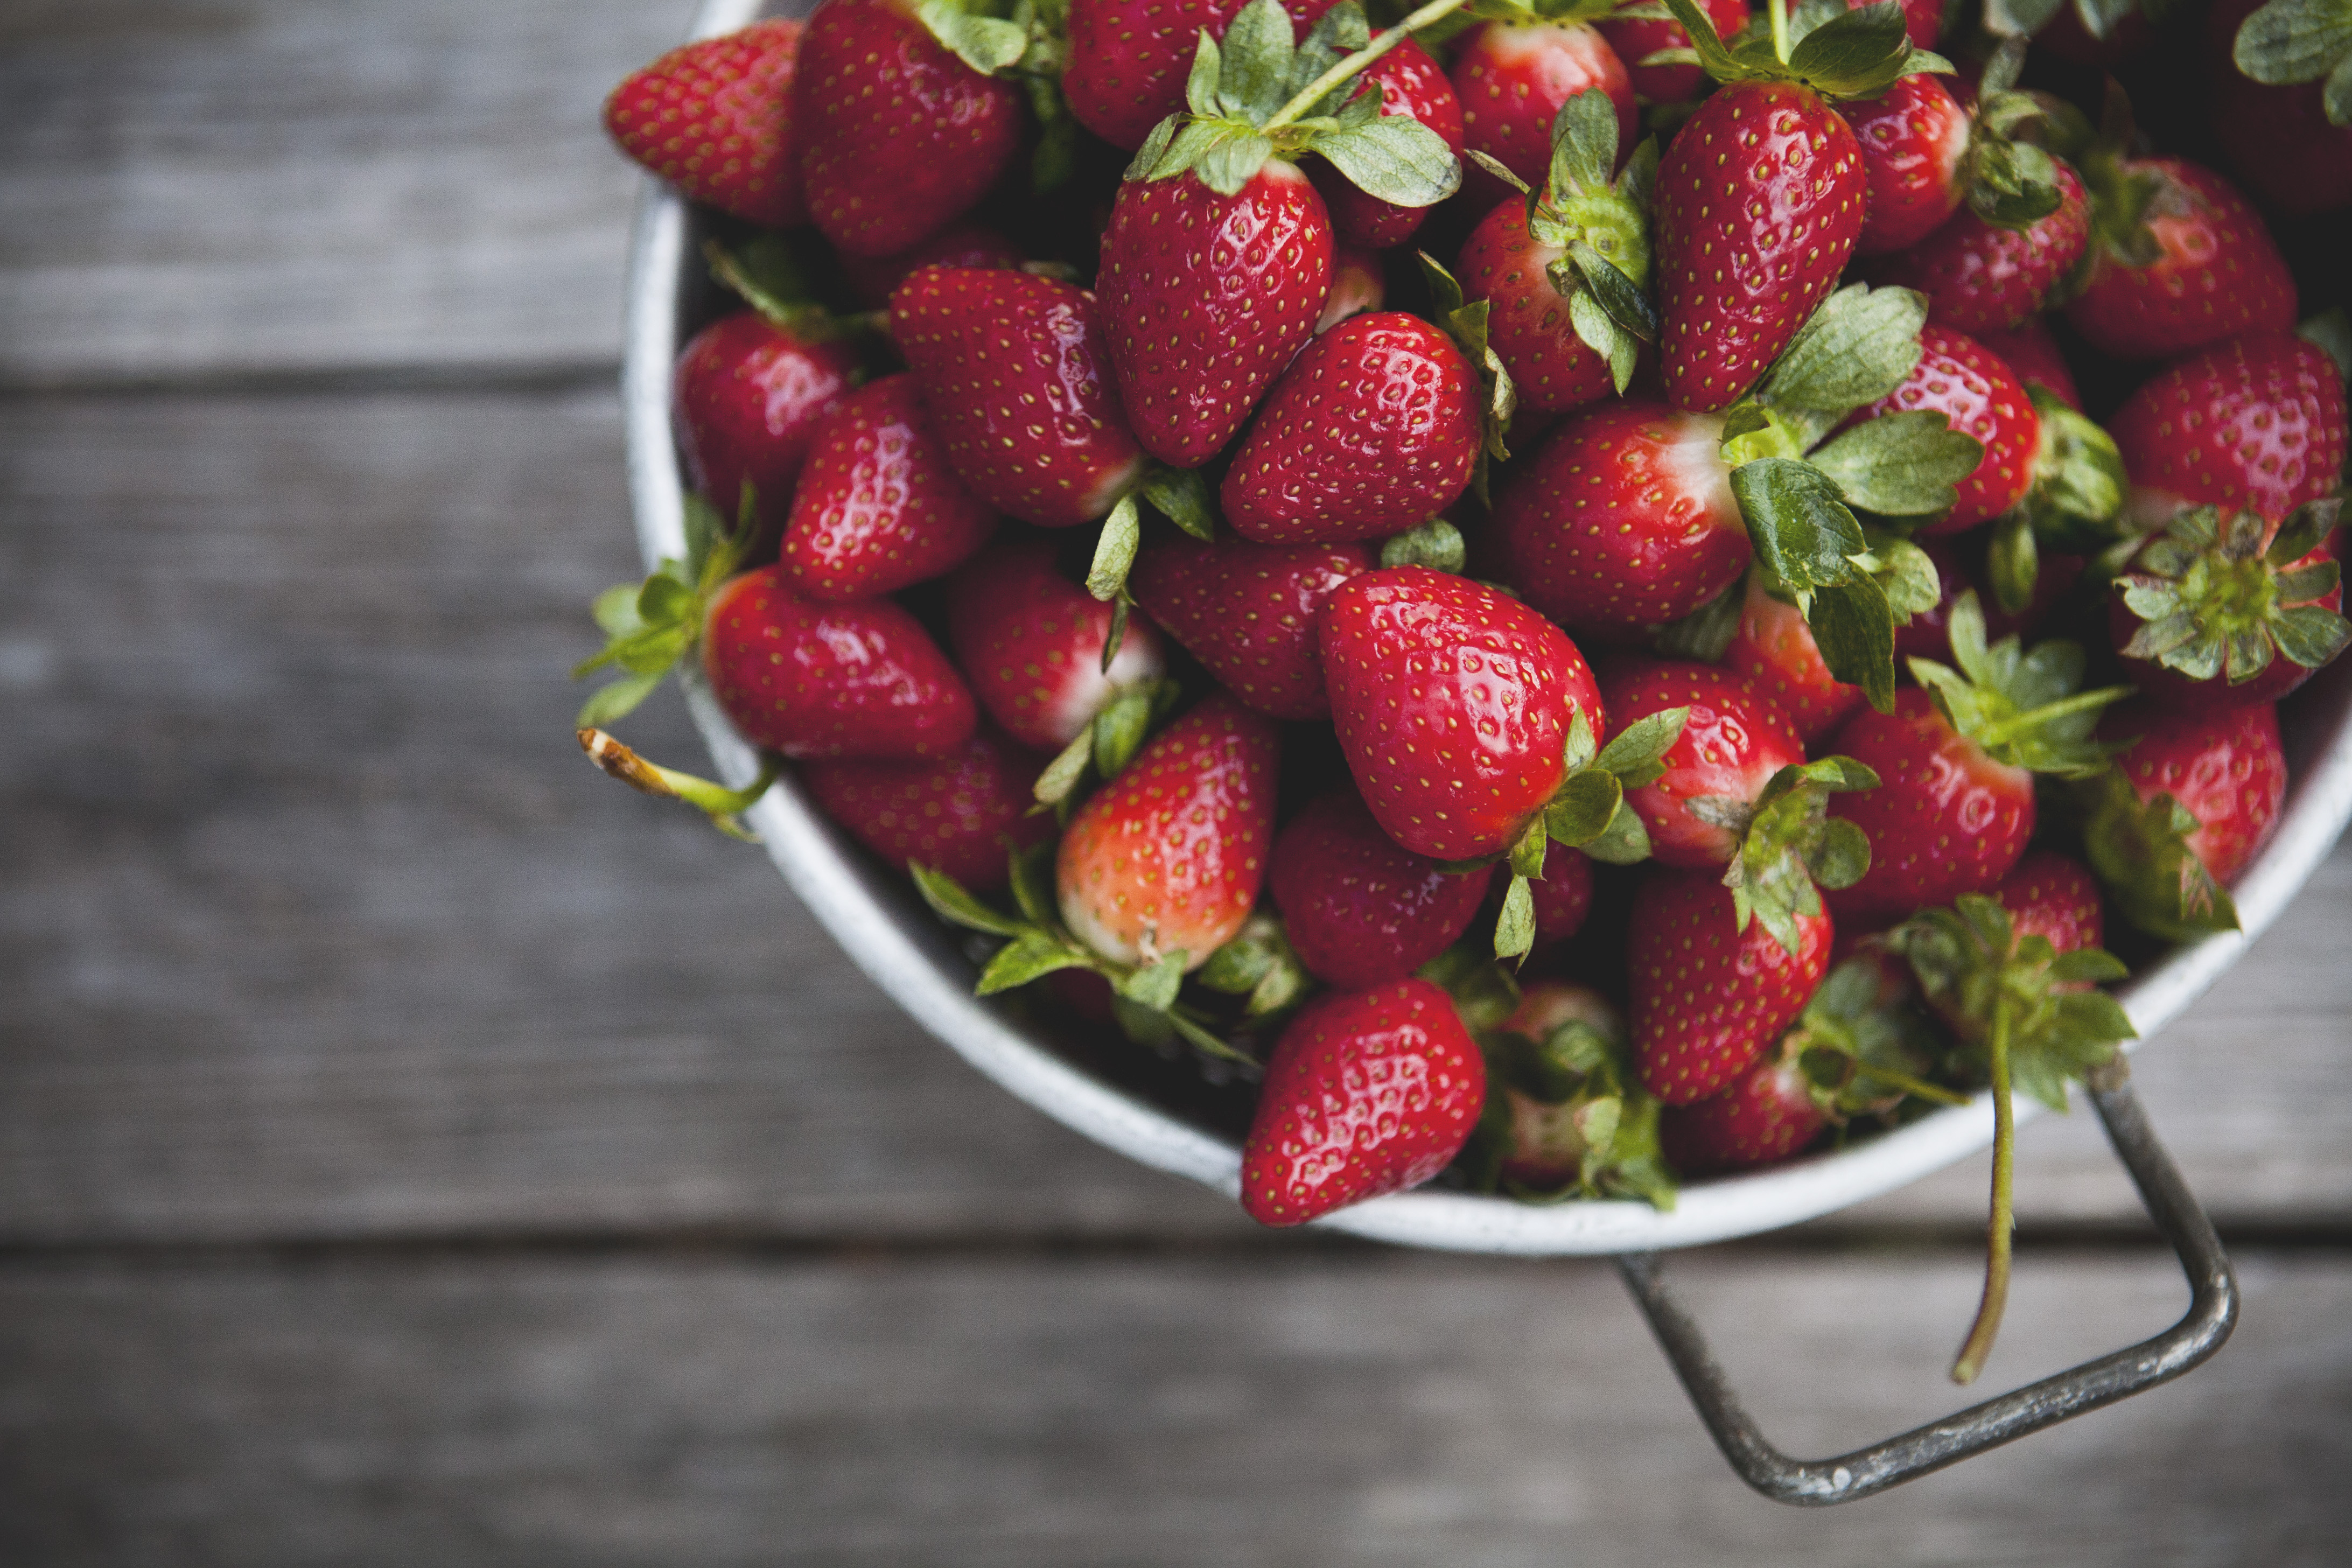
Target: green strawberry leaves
column 1850, row 53
column 1181, row 495
column 1436, row 544
column 1465, row 323
column 1100, row 752
column 1260, row 965
column 2141, row 851
column 1906, row 464
column 648, row 627
column 1862, row 1054
column 2290, row 41
column 2009, row 182
column 2214, row 602
column 1859, row 346
column 1570, row 1106
column 1789, row 844
column 2025, row 709
column 1603, row 225
column 1031, row 48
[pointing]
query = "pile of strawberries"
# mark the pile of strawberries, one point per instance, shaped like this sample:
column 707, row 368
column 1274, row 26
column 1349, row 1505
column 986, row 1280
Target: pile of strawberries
column 1531, row 575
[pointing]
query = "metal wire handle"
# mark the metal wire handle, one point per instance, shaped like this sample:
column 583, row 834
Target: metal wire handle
column 1818, row 1483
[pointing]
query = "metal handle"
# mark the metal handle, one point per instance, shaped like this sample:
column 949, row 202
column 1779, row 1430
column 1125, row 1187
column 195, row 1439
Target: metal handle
column 2212, row 1314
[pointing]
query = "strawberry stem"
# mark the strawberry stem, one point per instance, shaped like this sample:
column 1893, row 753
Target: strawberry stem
column 1356, row 63
column 1910, row 1085
column 1979, row 1344
column 715, row 800
column 2034, row 719
column 1780, row 9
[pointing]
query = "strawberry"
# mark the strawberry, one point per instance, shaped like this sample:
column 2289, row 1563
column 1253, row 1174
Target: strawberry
column 1358, row 283
column 1029, row 641
column 1563, row 899
column 1979, row 395
column 1128, row 58
column 1731, row 745
column 1956, row 761
column 1636, row 38
column 899, row 138
column 1915, row 143
column 2219, row 611
column 746, row 399
column 1981, row 277
column 1565, row 1116
column 1706, row 995
column 1764, row 1115
column 1923, row 20
column 1248, row 612
column 1368, row 1092
column 1513, row 75
column 1773, row 651
column 1562, row 272
column 1168, row 858
column 1413, row 85
column 1373, row 429
column 1018, row 380
column 969, row 245
column 715, row 118
column 2053, row 896
column 1359, row 909
column 2255, row 423
column 955, row 812
column 2033, row 356
column 812, row 680
column 2188, row 806
column 1961, row 568
column 878, row 509
column 2271, row 106
column 2183, row 261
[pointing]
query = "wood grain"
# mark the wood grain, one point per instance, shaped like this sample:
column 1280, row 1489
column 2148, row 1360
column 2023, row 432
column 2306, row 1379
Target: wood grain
column 317, row 927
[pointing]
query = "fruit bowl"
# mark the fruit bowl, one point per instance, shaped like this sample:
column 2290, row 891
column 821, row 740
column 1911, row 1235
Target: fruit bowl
column 1160, row 1121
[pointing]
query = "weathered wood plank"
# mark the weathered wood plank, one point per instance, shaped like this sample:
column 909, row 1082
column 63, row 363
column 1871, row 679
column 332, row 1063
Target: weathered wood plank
column 264, row 186
column 314, row 924
column 1296, row 1408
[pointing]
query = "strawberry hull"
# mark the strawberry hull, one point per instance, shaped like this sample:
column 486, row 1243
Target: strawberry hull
column 1528, row 322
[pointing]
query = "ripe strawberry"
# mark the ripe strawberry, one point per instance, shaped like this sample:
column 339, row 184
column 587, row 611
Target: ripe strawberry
column 2053, row 896
column 1248, row 612
column 1978, row 394
column 1373, row 429
column 1018, row 380
column 1731, row 745
column 1357, row 908
column 1624, row 515
column 2270, row 109
column 1411, row 84
column 746, row 400
column 1773, row 651
column 1368, row 1092
column 1636, row 38
column 2257, row 422
column 1169, row 857
column 2218, row 612
column 1914, row 144
column 1512, row 78
column 953, row 813
column 812, row 680
column 1708, row 996
column 1764, row 1115
column 1453, row 702
column 899, row 138
column 1563, row 899
column 1981, row 278
column 1128, row 58
column 1956, row 761
column 715, row 118
column 969, row 245
column 2183, row 261
column 2033, row 356
column 878, row 509
column 2188, row 808
column 1029, row 641
column 1205, row 298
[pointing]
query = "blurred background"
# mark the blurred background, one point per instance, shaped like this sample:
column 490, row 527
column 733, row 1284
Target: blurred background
column 416, row 1149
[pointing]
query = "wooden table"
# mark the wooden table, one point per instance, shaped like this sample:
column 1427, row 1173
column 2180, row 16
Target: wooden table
column 415, row 1149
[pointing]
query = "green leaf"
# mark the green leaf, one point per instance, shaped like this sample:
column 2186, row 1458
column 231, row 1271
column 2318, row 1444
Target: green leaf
column 1704, row 635
column 2330, row 330
column 1396, row 159
column 1861, row 345
column 2079, row 485
column 986, row 43
column 1583, row 145
column 1122, row 530
column 1615, row 292
column 1031, row 877
column 1515, row 928
column 2311, row 635
column 1632, row 756
column 610, row 704
column 1436, row 544
column 1156, row 147
column 1255, row 78
column 1858, row 54
column 2020, row 18
column 1030, row 956
column 951, row 902
column 1062, row 775
column 2013, row 561
column 1232, row 161
column 1798, row 522
column 2140, row 852
column 1120, row 730
column 1154, row 985
column 1181, row 495
column 2290, row 41
column 1855, row 630
column 1908, row 576
column 1900, row 464
column 1603, row 336
column 1712, row 56
column 1623, row 842
column 2336, row 98
column 1584, row 808
column 1841, row 857
column 616, row 609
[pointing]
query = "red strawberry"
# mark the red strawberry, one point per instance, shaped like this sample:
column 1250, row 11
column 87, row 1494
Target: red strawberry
column 1764, row 1115
column 2220, row 611
column 1206, row 296
column 878, row 509
column 1981, row 278
column 2258, row 423
column 746, row 400
column 1018, row 380
column 899, row 137
column 1957, row 378
column 1357, row 908
column 952, row 814
column 1773, row 651
column 1761, row 198
column 814, row 680
column 1030, row 640
column 2279, row 138
column 1373, row 429
column 1563, row 898
column 1368, row 1092
column 2052, row 897
column 1626, row 515
column 1923, row 20
column 969, row 245
column 1513, row 76
column 1453, row 702
column 2188, row 808
column 1528, row 322
column 1913, row 142
column 1411, row 84
column 1707, row 996
column 2197, row 268
column 1128, row 58
column 1248, row 612
column 715, row 118
column 1169, row 857
column 1636, row 38
column 2033, row 356
column 1730, row 746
